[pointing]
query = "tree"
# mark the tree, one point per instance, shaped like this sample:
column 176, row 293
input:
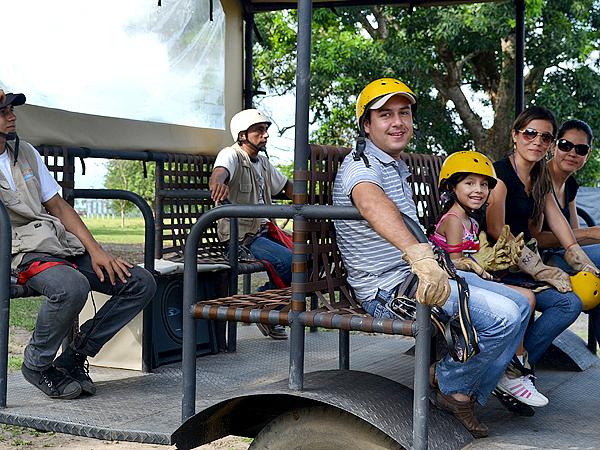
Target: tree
column 450, row 56
column 129, row 176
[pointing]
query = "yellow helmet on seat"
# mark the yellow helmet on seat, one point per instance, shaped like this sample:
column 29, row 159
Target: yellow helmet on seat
column 468, row 161
column 377, row 92
column 587, row 287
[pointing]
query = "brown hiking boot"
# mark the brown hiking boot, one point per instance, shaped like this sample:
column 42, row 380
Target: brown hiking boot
column 464, row 412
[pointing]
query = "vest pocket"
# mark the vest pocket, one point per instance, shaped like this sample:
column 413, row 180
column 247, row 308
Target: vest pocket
column 246, row 187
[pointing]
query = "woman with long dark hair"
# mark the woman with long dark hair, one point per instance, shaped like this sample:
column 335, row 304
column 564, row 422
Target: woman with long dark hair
column 570, row 152
column 521, row 199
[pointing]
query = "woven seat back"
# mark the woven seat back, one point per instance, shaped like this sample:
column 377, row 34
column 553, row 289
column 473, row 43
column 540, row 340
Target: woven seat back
column 176, row 216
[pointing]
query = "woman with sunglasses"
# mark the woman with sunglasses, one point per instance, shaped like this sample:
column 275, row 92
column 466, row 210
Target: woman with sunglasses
column 570, row 153
column 521, row 199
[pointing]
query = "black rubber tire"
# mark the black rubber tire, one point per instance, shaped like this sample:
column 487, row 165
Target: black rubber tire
column 321, row 428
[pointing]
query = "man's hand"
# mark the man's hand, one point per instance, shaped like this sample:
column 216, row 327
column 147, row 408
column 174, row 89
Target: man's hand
column 433, row 288
column 219, row 190
column 114, row 266
column 2, row 96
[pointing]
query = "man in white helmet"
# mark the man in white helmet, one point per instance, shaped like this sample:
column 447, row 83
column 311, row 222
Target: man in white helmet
column 243, row 174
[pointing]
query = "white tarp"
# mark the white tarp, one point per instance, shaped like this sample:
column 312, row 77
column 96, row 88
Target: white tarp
column 161, row 68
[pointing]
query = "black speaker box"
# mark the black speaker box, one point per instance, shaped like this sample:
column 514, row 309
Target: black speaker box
column 167, row 319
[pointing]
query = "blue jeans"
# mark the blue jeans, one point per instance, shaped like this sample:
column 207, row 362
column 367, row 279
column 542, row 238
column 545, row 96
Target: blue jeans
column 66, row 290
column 500, row 316
column 278, row 255
column 556, row 258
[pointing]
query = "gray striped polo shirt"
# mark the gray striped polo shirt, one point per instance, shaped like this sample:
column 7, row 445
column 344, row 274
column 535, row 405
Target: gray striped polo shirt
column 371, row 261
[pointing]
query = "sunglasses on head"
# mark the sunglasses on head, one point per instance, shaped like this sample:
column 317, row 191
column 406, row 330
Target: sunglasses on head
column 566, row 146
column 529, row 134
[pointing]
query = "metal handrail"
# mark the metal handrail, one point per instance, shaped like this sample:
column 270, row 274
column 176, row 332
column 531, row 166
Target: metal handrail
column 422, row 346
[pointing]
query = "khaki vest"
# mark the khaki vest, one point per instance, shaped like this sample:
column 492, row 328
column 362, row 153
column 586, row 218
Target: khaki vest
column 243, row 190
column 33, row 229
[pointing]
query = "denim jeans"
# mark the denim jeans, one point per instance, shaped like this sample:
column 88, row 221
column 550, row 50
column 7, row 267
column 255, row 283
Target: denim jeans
column 556, row 258
column 278, row 255
column 500, row 316
column 66, row 290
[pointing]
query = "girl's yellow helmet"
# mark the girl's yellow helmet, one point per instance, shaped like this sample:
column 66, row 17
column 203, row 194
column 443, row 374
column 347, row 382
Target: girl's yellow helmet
column 468, row 161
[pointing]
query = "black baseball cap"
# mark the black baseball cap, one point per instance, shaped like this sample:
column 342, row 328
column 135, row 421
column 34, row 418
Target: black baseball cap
column 13, row 99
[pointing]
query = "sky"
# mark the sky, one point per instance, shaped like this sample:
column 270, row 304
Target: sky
column 121, row 59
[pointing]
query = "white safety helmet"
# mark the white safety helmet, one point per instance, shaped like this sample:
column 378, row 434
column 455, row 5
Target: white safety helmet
column 245, row 119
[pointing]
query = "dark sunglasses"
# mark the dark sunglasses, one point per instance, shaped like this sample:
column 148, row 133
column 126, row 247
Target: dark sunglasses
column 566, row 146
column 530, row 134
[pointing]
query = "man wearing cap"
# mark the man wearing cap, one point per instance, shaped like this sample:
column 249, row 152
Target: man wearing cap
column 54, row 253
column 244, row 175
column 380, row 252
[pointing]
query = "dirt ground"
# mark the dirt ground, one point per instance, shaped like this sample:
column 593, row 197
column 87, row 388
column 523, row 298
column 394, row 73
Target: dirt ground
column 16, row 437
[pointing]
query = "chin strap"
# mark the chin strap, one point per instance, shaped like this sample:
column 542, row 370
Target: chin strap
column 254, row 146
column 359, row 153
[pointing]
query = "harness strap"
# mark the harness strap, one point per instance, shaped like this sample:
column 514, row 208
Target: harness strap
column 39, row 266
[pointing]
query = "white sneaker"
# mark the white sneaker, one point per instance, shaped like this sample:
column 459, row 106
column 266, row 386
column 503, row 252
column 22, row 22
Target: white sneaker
column 523, row 390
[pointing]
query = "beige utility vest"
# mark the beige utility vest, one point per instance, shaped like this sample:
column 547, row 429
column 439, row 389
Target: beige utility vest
column 244, row 190
column 33, row 229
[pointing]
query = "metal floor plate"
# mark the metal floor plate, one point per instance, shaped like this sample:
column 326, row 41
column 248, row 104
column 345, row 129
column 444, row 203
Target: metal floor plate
column 131, row 406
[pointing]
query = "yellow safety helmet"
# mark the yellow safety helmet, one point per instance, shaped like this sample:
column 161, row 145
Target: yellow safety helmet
column 468, row 161
column 587, row 287
column 377, row 92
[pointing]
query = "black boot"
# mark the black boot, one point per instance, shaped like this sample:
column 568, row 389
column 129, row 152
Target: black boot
column 52, row 382
column 76, row 365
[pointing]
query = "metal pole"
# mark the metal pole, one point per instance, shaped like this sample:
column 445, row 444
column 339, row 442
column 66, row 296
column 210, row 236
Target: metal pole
column 248, row 63
column 344, row 349
column 5, row 259
column 421, row 383
column 520, row 57
column 234, row 241
column 301, row 156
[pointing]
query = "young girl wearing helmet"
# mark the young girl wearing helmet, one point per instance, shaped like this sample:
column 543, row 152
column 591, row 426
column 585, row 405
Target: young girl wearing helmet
column 466, row 180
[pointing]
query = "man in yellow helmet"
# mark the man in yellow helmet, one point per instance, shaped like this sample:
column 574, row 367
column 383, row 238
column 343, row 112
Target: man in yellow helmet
column 380, row 252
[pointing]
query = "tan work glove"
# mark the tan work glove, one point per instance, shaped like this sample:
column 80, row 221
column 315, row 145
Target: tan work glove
column 433, row 288
column 578, row 260
column 503, row 254
column 470, row 265
column 532, row 264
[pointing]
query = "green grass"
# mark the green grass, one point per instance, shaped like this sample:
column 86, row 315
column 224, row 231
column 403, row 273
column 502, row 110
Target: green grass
column 109, row 230
column 23, row 312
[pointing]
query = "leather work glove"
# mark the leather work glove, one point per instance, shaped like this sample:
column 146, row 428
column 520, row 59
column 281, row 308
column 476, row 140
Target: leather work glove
column 532, row 264
column 578, row 260
column 470, row 265
column 503, row 254
column 433, row 288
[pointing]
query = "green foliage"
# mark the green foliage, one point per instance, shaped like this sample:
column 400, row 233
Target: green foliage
column 286, row 169
column 445, row 54
column 129, row 175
